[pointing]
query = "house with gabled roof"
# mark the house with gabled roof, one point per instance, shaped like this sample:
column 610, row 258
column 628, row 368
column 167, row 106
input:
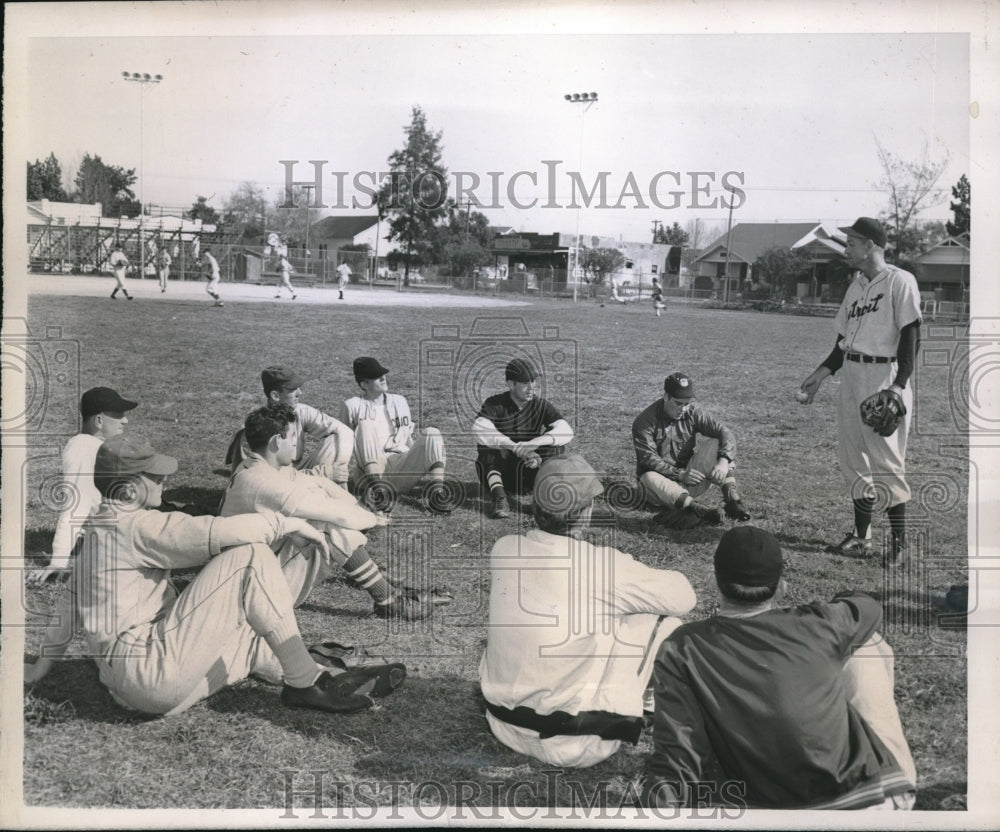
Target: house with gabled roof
column 944, row 269
column 821, row 243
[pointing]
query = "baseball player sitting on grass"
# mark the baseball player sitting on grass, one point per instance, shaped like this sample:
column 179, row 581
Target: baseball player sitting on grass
column 103, row 413
column 159, row 652
column 266, row 481
column 565, row 673
column 331, row 458
column 514, row 432
column 680, row 451
column 794, row 705
column 878, row 334
column 389, row 452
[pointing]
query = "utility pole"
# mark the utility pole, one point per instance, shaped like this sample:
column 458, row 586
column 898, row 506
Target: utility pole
column 588, row 99
column 143, row 79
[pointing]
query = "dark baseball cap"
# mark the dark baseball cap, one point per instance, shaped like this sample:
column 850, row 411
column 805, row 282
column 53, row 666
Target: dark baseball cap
column 103, row 400
column 367, row 367
column 566, row 484
column 520, row 370
column 275, row 377
column 749, row 556
column 678, row 386
column 131, row 454
column 867, row 229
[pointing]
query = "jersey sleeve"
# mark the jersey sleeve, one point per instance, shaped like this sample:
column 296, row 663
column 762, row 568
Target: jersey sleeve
column 708, row 425
column 490, row 410
column 905, row 300
column 550, row 413
column 647, row 455
column 317, row 423
column 642, row 589
column 854, row 616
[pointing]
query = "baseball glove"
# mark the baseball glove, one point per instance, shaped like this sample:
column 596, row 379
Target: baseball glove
column 883, row 411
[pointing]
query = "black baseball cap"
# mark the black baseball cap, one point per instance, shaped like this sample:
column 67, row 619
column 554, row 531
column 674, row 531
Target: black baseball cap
column 367, row 368
column 520, row 370
column 275, row 378
column 749, row 556
column 103, row 400
column 678, row 386
column 867, row 229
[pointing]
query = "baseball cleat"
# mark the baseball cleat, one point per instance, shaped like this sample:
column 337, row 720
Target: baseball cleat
column 438, row 498
column 735, row 510
column 388, row 675
column 853, row 545
column 344, row 693
column 708, row 516
column 219, row 303
column 415, row 605
column 501, row 508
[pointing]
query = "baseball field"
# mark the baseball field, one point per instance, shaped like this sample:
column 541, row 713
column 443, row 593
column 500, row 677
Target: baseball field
column 195, row 370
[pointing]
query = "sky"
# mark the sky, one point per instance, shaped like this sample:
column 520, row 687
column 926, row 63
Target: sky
column 793, row 117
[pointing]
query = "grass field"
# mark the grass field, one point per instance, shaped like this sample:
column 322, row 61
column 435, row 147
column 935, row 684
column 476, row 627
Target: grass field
column 195, row 371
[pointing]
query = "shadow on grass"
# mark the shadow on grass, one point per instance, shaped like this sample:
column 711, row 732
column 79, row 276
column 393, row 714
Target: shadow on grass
column 948, row 797
column 339, row 612
column 194, row 500
column 38, row 542
column 72, row 691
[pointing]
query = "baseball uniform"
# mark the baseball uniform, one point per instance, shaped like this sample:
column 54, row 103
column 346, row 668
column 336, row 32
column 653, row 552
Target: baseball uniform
column 387, row 443
column 119, row 263
column 665, row 448
column 286, row 278
column 163, row 261
column 868, row 326
column 658, row 305
column 158, row 651
column 573, row 629
column 257, row 486
column 499, row 424
column 776, row 700
column 343, row 278
column 210, row 268
column 83, row 497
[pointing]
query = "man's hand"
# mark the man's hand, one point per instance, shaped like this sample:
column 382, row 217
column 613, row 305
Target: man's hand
column 811, row 385
column 690, row 476
column 524, row 450
column 719, row 473
column 303, row 534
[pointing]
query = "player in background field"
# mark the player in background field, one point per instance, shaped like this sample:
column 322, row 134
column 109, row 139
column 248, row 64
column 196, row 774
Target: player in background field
column 119, row 264
column 878, row 335
column 163, row 261
column 210, row 270
column 658, row 305
column 343, row 278
column 286, row 277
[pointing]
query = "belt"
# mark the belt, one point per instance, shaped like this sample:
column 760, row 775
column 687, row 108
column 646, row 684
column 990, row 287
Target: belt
column 867, row 359
column 606, row 725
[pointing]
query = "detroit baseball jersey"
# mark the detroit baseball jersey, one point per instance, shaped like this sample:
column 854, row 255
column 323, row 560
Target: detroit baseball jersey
column 160, row 652
column 574, row 628
column 386, row 438
column 78, row 481
column 868, row 323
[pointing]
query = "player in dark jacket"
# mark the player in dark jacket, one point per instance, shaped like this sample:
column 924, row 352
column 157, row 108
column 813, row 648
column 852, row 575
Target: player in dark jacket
column 792, row 707
column 680, row 450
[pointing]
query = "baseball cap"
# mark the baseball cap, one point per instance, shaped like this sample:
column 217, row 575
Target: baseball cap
column 566, row 484
column 520, row 370
column 275, row 377
column 679, row 386
column 749, row 556
column 131, row 454
column 367, row 367
column 103, row 400
column 867, row 229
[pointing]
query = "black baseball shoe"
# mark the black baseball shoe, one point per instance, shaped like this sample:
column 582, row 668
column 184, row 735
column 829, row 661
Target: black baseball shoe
column 708, row 516
column 853, row 546
column 439, row 498
column 735, row 510
column 344, row 693
column 501, row 507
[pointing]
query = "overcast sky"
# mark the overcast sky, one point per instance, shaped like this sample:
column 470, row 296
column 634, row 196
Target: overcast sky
column 795, row 116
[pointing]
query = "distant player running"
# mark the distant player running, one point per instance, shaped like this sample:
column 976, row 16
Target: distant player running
column 210, row 269
column 286, row 277
column 119, row 263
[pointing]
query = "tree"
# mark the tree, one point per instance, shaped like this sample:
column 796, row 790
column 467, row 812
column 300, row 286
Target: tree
column 110, row 185
column 244, row 212
column 201, row 210
column 601, row 262
column 699, row 235
column 781, row 269
column 463, row 241
column 960, row 209
column 414, row 196
column 292, row 221
column 45, row 180
column 673, row 236
column 910, row 188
